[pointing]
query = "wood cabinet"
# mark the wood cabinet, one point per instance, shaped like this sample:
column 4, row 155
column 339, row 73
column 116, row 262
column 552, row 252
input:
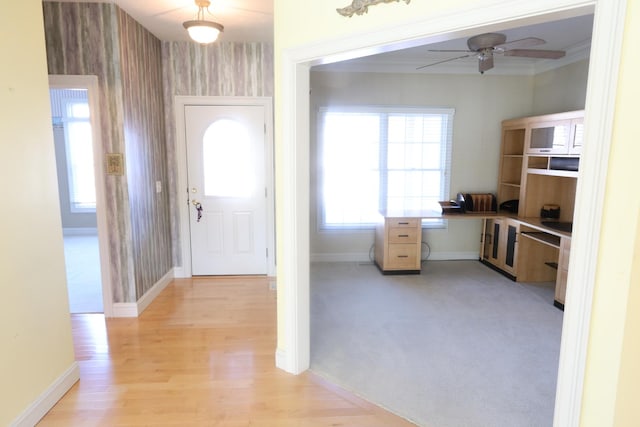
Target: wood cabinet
column 539, row 161
column 398, row 245
column 577, row 136
column 500, row 248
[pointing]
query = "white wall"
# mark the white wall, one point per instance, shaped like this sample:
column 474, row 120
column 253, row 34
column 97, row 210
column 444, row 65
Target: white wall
column 481, row 102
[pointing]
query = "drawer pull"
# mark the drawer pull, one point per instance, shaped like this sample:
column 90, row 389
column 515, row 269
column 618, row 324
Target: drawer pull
column 403, row 256
column 403, row 235
column 403, row 223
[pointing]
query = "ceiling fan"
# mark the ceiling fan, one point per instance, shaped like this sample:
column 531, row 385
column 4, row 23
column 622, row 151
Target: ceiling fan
column 484, row 46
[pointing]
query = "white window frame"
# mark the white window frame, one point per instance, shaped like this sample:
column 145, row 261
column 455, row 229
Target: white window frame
column 445, row 161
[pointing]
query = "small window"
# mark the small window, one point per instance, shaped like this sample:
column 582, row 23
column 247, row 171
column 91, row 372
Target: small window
column 79, row 150
column 382, row 158
column 227, row 160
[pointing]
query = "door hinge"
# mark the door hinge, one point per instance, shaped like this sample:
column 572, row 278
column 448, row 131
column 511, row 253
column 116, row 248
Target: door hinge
column 265, row 128
column 267, row 252
column 265, row 191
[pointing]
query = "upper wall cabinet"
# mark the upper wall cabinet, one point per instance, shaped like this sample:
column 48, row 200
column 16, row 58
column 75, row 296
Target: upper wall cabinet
column 576, row 136
column 549, row 137
column 548, row 145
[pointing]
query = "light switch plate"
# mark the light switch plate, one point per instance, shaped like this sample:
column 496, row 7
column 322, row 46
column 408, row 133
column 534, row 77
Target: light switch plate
column 158, row 187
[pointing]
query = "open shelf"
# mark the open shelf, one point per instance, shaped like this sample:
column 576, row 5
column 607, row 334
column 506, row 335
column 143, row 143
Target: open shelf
column 553, row 172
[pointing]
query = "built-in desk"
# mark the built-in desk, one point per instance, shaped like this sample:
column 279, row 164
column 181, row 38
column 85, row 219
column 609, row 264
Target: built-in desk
column 526, row 251
column 398, row 241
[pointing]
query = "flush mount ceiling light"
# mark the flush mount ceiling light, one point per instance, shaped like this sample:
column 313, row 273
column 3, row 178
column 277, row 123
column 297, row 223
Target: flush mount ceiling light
column 199, row 29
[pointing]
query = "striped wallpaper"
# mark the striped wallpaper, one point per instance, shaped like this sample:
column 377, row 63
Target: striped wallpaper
column 146, row 154
column 82, row 39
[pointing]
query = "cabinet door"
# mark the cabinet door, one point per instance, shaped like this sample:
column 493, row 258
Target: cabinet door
column 549, row 137
column 577, row 136
column 510, row 246
column 491, row 245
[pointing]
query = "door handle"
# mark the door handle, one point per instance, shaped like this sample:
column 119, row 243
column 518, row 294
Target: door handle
column 198, row 206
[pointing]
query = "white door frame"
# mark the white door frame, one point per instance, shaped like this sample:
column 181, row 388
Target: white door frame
column 181, row 159
column 292, row 354
column 90, row 83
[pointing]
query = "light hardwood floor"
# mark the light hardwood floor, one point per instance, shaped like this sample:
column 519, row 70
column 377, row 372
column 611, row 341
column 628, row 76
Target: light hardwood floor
column 201, row 355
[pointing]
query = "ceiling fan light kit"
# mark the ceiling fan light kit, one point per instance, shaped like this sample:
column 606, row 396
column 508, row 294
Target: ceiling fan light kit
column 485, row 46
column 201, row 30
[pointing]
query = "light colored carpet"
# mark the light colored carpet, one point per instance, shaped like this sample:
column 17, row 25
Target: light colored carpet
column 458, row 345
column 82, row 260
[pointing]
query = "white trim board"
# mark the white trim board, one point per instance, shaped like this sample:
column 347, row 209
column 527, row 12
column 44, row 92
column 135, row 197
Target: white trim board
column 293, row 356
column 181, row 158
column 43, row 404
column 135, row 309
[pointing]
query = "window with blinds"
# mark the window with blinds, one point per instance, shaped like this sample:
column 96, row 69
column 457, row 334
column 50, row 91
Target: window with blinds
column 79, row 150
column 373, row 158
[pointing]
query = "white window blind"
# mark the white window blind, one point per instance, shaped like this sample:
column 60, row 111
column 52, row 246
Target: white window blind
column 373, row 158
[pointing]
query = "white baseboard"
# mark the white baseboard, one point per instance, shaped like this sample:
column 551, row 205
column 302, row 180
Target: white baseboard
column 125, row 309
column 282, row 361
column 451, row 256
column 341, row 257
column 39, row 407
column 364, row 257
column 80, row 231
column 155, row 290
column 134, row 309
column 179, row 273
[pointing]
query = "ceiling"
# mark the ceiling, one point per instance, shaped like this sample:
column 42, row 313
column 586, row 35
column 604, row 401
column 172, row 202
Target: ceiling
column 572, row 35
column 252, row 21
column 243, row 20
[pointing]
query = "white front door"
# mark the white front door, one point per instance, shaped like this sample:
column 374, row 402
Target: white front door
column 226, row 184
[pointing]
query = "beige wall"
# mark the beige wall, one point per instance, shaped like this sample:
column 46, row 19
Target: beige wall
column 612, row 383
column 35, row 330
column 562, row 89
column 612, row 341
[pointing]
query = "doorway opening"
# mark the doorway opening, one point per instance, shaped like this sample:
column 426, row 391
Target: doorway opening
column 76, row 133
column 293, row 350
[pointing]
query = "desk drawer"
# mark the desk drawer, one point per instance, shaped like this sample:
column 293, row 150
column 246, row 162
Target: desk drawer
column 404, row 256
column 403, row 222
column 403, row 235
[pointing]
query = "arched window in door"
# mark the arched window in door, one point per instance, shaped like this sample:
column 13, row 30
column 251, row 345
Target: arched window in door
column 227, row 160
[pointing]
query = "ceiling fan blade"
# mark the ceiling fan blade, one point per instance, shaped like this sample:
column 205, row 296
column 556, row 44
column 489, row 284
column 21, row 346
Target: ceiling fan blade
column 535, row 53
column 522, row 43
column 485, row 62
column 440, row 62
